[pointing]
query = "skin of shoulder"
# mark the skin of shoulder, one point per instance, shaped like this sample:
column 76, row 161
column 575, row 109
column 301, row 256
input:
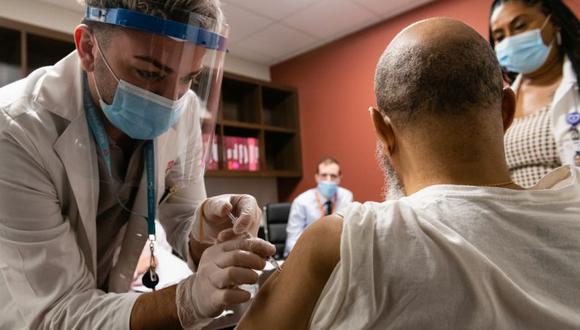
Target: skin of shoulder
column 287, row 299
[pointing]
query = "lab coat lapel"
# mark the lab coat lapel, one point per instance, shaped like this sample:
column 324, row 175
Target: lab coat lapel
column 77, row 152
column 568, row 81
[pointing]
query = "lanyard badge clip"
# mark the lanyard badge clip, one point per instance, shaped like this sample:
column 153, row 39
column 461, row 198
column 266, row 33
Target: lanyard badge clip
column 150, row 278
column 573, row 118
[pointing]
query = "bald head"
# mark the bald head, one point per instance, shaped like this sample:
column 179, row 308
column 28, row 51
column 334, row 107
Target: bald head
column 437, row 67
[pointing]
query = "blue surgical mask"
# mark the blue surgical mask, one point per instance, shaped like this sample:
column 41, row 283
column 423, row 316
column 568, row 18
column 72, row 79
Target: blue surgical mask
column 139, row 113
column 523, row 53
column 327, row 188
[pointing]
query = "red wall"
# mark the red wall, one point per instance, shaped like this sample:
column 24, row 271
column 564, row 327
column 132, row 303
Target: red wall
column 335, row 86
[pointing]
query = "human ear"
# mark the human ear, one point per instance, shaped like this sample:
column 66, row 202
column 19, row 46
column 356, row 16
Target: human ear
column 508, row 107
column 84, row 41
column 383, row 130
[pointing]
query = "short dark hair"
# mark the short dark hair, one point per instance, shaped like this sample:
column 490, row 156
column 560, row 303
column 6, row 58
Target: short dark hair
column 453, row 78
column 562, row 17
column 327, row 160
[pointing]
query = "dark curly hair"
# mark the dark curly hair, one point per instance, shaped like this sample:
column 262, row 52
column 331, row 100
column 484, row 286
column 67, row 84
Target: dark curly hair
column 562, row 17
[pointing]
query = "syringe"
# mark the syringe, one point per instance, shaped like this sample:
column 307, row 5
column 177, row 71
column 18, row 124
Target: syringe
column 270, row 259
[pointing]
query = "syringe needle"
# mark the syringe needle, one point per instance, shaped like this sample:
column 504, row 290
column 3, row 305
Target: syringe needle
column 270, row 259
column 274, row 263
column 232, row 217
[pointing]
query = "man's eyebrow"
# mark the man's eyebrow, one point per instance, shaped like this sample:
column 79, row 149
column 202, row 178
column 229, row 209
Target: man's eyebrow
column 154, row 62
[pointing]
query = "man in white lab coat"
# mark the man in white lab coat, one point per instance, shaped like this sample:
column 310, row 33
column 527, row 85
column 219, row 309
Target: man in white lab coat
column 72, row 202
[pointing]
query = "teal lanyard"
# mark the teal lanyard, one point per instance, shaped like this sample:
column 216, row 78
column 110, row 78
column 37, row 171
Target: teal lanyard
column 102, row 141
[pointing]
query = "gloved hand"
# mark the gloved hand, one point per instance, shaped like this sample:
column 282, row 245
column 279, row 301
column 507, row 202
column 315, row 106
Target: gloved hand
column 214, row 287
column 214, row 211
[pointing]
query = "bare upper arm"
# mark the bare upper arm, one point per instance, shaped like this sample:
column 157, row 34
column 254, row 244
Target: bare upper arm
column 287, row 299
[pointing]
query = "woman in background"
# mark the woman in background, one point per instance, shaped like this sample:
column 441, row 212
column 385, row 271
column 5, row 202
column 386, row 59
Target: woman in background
column 537, row 42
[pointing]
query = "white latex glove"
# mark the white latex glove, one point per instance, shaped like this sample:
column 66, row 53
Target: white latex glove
column 214, row 211
column 214, row 287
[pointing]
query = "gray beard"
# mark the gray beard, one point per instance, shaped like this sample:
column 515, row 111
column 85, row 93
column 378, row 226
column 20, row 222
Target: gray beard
column 393, row 189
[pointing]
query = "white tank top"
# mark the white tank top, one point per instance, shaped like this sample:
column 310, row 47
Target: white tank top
column 460, row 257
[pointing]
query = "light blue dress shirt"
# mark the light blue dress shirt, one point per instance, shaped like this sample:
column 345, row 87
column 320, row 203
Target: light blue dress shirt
column 305, row 210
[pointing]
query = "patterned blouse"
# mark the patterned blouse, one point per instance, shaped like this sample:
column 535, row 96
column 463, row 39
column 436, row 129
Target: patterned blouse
column 531, row 149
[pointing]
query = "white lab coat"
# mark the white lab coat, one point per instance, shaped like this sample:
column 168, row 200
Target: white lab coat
column 48, row 202
column 562, row 105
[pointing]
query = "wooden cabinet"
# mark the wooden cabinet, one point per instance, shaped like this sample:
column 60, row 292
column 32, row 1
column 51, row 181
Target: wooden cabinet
column 44, row 51
column 268, row 112
column 26, row 48
column 10, row 56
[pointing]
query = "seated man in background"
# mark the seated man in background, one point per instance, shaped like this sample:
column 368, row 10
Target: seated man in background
column 466, row 248
column 317, row 202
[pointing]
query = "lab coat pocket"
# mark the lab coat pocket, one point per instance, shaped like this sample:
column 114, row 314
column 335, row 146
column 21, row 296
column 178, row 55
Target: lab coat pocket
column 40, row 264
column 9, row 235
column 31, row 259
column 25, row 250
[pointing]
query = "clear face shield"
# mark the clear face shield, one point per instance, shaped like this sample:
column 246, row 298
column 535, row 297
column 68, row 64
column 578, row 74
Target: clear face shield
column 158, row 81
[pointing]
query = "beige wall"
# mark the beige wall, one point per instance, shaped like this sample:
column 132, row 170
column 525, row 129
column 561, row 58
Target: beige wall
column 41, row 14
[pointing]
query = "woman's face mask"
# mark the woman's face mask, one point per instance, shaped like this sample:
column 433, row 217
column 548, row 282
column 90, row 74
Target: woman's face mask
column 524, row 52
column 139, row 113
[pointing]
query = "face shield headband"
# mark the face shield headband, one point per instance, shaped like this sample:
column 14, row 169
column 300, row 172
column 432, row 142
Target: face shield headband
column 153, row 24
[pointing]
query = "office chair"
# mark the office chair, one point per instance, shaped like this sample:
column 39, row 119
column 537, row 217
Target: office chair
column 276, row 218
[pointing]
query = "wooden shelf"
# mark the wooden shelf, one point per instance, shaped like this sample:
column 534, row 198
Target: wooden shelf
column 280, row 129
column 285, row 174
column 239, row 124
column 26, row 47
column 229, row 173
column 10, row 56
column 244, row 125
column 44, row 51
column 240, row 101
column 281, row 149
column 279, row 107
column 268, row 112
column 259, row 174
